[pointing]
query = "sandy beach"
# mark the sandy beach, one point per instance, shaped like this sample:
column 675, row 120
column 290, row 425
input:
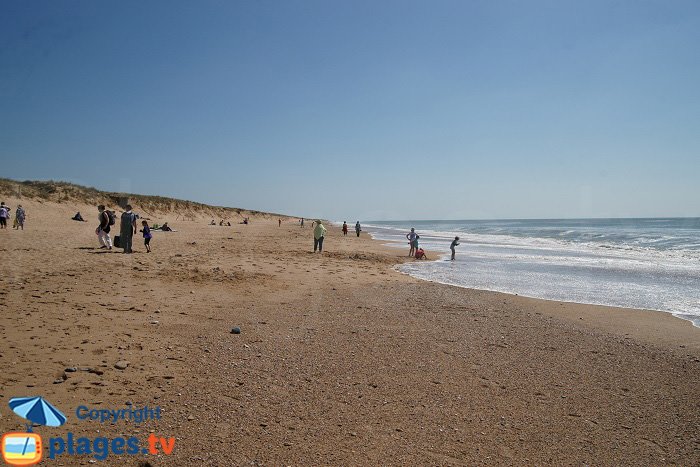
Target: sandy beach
column 341, row 360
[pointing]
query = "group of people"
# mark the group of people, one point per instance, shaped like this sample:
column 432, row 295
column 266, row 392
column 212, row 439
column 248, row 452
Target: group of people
column 127, row 229
column 418, row 252
column 414, row 249
column 358, row 228
column 20, row 216
column 320, row 232
column 222, row 223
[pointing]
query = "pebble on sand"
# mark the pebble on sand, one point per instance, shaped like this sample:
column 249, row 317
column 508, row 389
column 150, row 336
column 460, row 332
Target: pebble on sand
column 236, row 330
column 121, row 365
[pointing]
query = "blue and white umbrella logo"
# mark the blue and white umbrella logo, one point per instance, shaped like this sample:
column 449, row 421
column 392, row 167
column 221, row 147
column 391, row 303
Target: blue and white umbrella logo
column 37, row 410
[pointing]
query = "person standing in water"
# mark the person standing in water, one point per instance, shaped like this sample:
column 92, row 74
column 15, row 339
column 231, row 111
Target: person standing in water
column 411, row 237
column 454, row 243
column 319, row 233
column 358, row 229
column 345, row 229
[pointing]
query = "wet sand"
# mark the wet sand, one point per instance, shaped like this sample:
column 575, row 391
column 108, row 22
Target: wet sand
column 341, row 360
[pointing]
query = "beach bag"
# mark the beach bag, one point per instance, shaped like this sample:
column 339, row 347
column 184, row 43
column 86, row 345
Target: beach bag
column 111, row 216
column 117, row 241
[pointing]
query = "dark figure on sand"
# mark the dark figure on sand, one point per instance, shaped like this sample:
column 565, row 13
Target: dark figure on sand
column 147, row 235
column 454, row 243
column 345, row 229
column 358, row 229
column 20, row 215
column 4, row 215
column 78, row 217
column 127, row 229
column 104, row 228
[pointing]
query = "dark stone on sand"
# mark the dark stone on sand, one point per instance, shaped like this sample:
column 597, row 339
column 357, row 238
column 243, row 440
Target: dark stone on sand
column 236, row 330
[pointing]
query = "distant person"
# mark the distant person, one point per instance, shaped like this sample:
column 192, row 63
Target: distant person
column 212, row 222
column 228, row 224
column 411, row 236
column 420, row 254
column 345, row 229
column 415, row 243
column 104, row 228
column 221, row 223
column 78, row 217
column 147, row 235
column 4, row 215
column 454, row 243
column 301, row 222
column 127, row 229
column 20, row 215
column 319, row 233
column 358, row 229
column 279, row 222
column 166, row 228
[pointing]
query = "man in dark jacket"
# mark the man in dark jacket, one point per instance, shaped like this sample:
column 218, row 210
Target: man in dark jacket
column 104, row 228
column 127, row 229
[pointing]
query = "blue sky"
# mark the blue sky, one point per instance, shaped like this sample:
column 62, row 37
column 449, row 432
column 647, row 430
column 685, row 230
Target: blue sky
column 361, row 109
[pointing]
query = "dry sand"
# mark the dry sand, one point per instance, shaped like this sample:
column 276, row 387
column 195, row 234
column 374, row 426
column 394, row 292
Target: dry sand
column 341, row 360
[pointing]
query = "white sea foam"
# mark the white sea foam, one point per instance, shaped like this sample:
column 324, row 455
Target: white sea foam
column 633, row 266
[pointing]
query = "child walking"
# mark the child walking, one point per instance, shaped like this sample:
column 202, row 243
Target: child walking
column 146, row 236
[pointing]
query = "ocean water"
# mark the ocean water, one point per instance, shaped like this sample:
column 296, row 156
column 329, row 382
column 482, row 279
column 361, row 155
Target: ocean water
column 633, row 263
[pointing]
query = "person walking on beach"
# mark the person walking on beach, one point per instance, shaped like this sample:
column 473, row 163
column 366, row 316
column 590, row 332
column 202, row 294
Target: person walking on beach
column 345, row 229
column 104, row 227
column 319, row 233
column 301, row 222
column 358, row 229
column 20, row 215
column 127, row 229
column 411, row 236
column 4, row 215
column 279, row 222
column 147, row 235
column 454, row 243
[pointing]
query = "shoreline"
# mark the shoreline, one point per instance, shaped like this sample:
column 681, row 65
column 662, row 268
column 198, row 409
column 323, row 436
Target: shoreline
column 613, row 308
column 440, row 255
column 652, row 326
